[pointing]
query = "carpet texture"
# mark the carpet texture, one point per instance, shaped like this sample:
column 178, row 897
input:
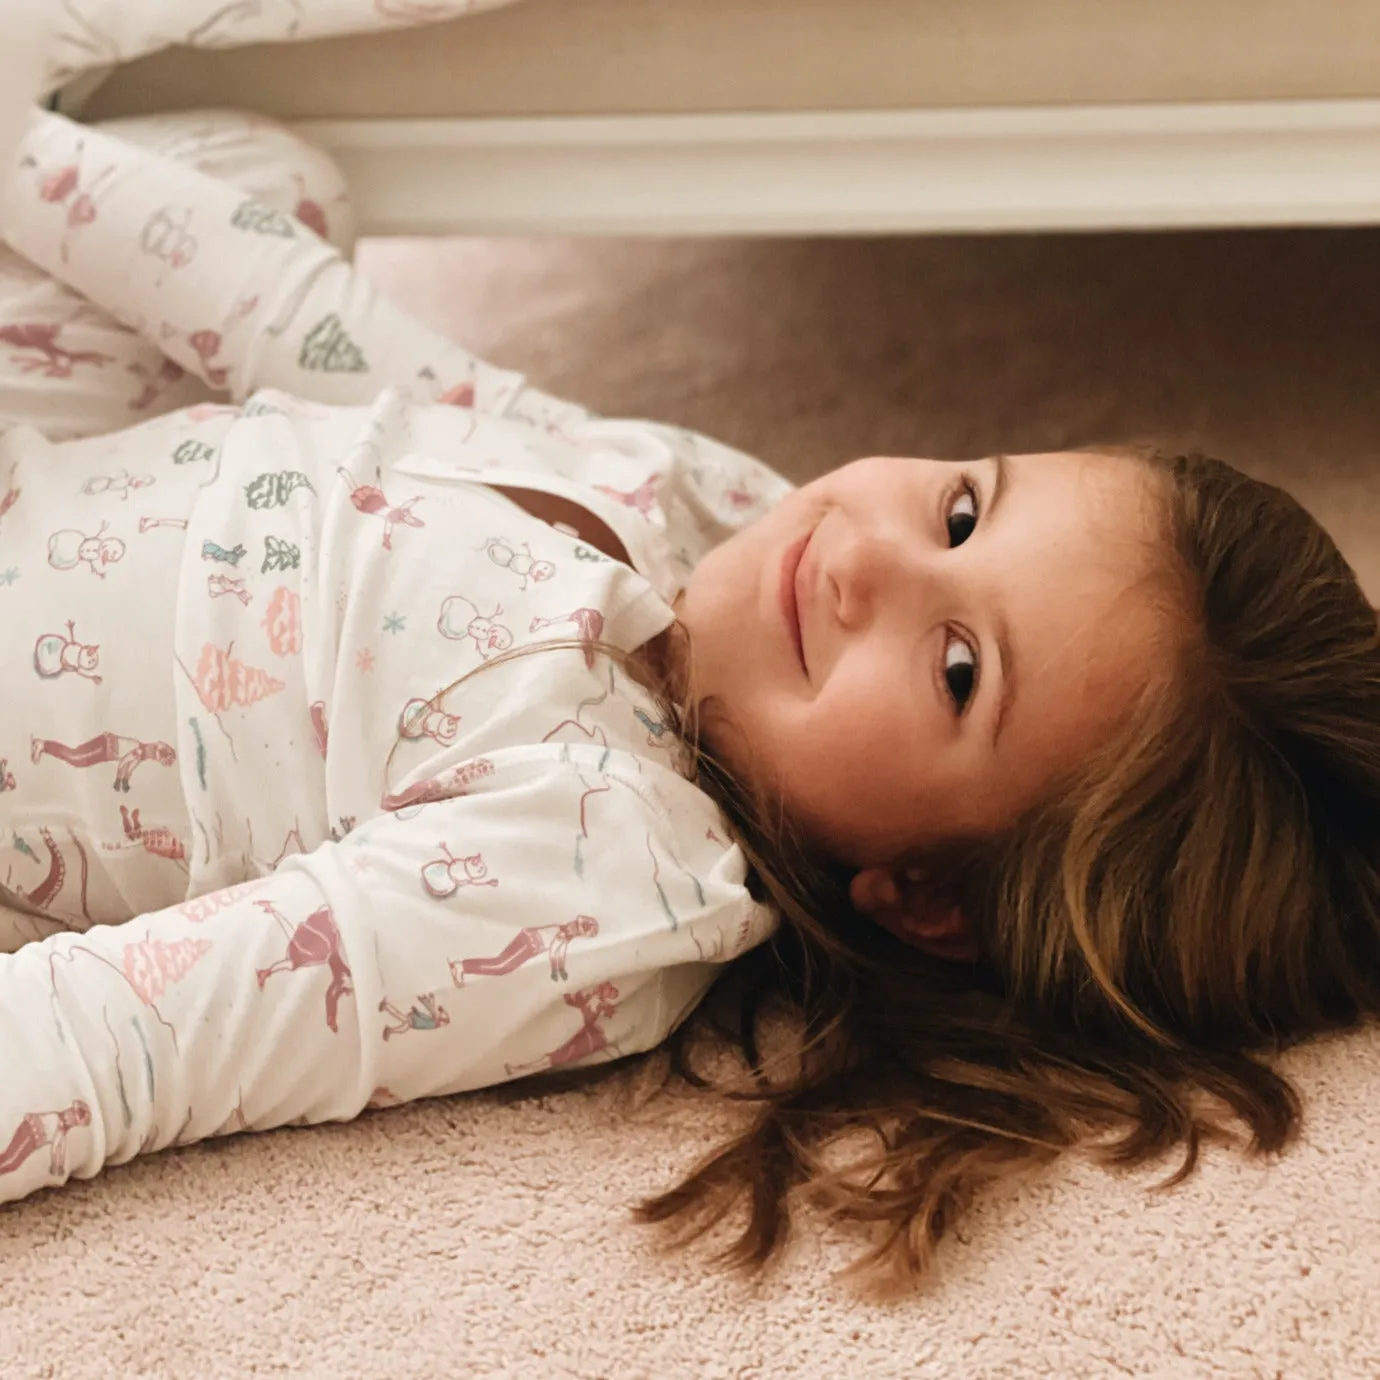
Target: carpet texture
column 487, row 1235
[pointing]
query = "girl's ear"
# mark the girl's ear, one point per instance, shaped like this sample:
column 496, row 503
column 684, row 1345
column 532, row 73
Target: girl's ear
column 902, row 904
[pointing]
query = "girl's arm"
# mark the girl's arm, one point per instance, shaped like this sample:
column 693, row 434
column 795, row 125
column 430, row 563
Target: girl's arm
column 99, row 33
column 407, row 961
column 243, row 296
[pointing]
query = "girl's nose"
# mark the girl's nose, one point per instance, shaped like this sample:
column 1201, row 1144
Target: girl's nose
column 862, row 571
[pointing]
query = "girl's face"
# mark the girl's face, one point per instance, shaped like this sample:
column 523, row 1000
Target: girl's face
column 908, row 651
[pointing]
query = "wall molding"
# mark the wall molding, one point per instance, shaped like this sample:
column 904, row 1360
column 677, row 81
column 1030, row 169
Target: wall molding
column 858, row 172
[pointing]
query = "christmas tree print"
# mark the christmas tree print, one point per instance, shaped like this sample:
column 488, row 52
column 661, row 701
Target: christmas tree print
column 189, row 452
column 279, row 555
column 259, row 219
column 150, row 966
column 328, row 349
column 222, row 681
column 273, row 488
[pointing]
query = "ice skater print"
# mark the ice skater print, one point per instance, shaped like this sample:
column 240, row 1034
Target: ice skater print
column 370, row 499
column 55, row 655
column 522, row 563
column 421, row 719
column 449, row 784
column 594, row 1004
column 527, row 944
column 70, row 548
column 126, row 752
column 315, row 943
column 154, row 840
column 445, row 875
column 424, row 1015
column 221, row 586
column 454, row 623
column 39, row 339
column 121, row 484
column 643, row 498
column 589, row 627
column 44, row 1131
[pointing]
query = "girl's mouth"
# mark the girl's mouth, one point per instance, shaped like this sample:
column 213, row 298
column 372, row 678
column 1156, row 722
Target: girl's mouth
column 789, row 597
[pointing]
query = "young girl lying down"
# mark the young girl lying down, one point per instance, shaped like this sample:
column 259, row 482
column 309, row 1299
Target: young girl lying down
column 392, row 729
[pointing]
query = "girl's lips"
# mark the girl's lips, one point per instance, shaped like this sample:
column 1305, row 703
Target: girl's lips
column 790, row 607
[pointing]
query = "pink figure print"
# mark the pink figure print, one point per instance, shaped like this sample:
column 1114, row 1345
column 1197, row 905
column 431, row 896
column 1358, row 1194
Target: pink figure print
column 54, row 655
column 319, row 728
column 643, row 498
column 420, row 719
column 314, row 943
column 425, row 1015
column 447, row 874
column 7, row 782
column 47, row 356
column 57, row 188
column 589, row 624
column 488, row 636
column 310, row 212
column 594, row 1004
column 149, row 524
column 155, row 384
column 522, row 563
column 217, row 586
column 44, row 1129
column 160, row 842
column 126, row 753
column 447, row 786
column 370, row 499
column 527, row 944
column 69, row 548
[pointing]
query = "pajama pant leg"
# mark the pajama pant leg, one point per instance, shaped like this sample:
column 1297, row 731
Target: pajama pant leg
column 69, row 369
column 93, row 821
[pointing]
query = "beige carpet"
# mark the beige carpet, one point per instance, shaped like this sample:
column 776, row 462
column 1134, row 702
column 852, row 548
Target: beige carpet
column 485, row 1236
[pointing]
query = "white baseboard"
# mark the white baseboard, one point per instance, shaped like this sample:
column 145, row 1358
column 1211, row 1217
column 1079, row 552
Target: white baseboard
column 1031, row 168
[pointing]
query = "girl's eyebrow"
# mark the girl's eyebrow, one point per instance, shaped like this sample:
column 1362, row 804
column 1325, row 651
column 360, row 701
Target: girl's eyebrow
column 1000, row 485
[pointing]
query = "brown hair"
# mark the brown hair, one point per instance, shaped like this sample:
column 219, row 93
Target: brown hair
column 1198, row 895
column 1202, row 892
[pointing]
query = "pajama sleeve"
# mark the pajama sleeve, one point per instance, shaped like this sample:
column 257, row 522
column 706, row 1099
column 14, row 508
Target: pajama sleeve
column 241, row 295
column 100, row 33
column 449, row 951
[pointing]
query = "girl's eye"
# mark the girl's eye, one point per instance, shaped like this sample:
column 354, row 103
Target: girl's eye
column 963, row 515
column 960, row 671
